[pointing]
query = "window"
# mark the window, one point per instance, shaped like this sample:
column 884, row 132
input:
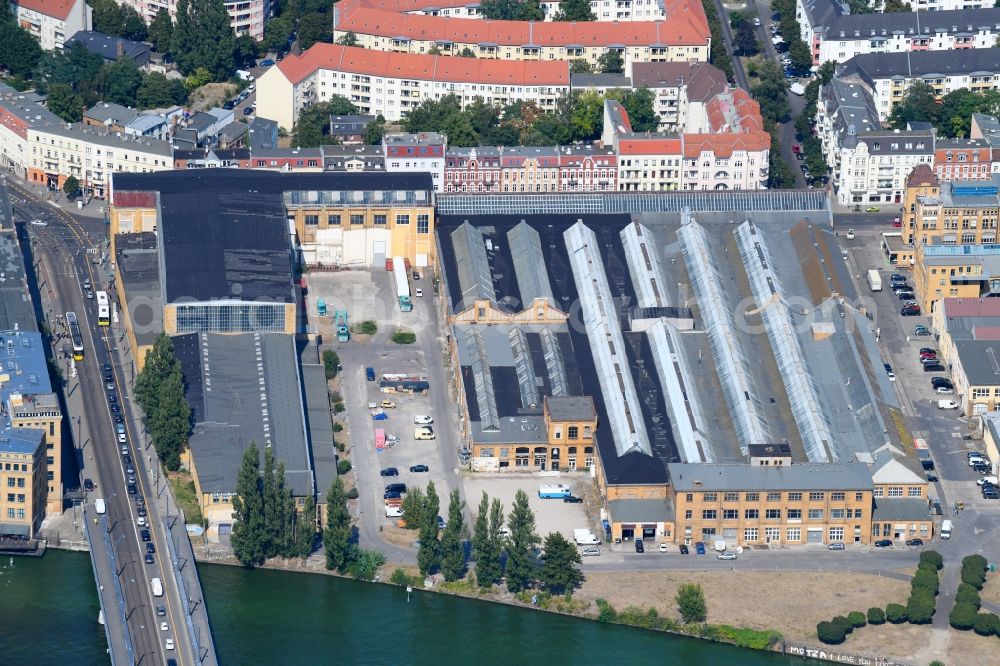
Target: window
column 815, row 514
column 773, row 514
column 815, row 497
column 709, row 514
column 793, row 534
column 836, row 534
column 357, row 219
column 731, row 497
column 774, row 497
column 333, row 220
column 750, row 534
column 710, row 497
column 753, row 497
column 794, row 514
column 836, row 514
column 20, row 483
column 687, row 514
column 878, row 492
column 730, row 514
column 573, row 432
column 312, row 220
column 895, row 491
column 402, row 219
column 10, row 482
column 689, row 497
column 794, row 497
column 913, row 491
column 858, row 497
column 772, row 534
column 423, row 224
column 837, row 497
column 751, row 514
column 379, row 220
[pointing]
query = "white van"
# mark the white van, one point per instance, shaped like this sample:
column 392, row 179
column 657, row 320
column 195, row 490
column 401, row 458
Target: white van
column 157, row 587
column 945, row 529
column 100, row 507
column 947, row 404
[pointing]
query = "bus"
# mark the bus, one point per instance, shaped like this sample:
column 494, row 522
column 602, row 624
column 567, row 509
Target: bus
column 103, row 309
column 74, row 333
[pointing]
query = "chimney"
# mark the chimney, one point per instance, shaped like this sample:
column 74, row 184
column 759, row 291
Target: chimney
column 119, row 49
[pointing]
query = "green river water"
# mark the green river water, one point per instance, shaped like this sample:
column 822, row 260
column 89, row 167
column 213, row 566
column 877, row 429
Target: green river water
column 49, row 608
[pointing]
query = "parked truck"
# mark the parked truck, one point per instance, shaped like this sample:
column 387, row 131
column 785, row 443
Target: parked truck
column 874, row 280
column 157, row 587
column 402, row 284
column 553, row 491
column 584, row 537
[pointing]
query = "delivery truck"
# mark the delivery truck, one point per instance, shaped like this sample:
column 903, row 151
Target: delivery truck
column 584, row 537
column 874, row 280
column 945, row 529
column 553, row 491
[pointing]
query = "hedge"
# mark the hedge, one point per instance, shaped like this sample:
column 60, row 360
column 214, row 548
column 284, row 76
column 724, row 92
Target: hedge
column 895, row 613
column 932, row 557
column 343, row 467
column 830, row 633
column 919, row 610
column 844, row 622
column 876, row 616
column 404, row 338
column 967, row 594
column 927, row 580
column 963, row 616
column 857, row 619
column 987, row 624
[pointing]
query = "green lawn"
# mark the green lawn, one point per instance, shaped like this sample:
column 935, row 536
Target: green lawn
column 186, row 497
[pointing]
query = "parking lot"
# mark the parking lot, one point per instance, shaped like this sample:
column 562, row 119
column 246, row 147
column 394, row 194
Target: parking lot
column 370, row 295
column 551, row 515
column 943, row 429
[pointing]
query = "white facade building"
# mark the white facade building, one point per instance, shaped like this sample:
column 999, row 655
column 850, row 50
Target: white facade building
column 52, row 22
column 245, row 16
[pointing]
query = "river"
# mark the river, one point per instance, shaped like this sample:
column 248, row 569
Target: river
column 49, row 607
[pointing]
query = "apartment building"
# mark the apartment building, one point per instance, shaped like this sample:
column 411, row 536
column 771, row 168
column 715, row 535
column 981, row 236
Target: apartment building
column 22, row 482
column 245, row 16
column 52, row 22
column 683, row 37
column 603, row 10
column 835, row 35
column 936, row 5
column 20, row 112
column 963, row 159
column 888, row 76
column 955, row 271
column 390, row 84
column 529, row 169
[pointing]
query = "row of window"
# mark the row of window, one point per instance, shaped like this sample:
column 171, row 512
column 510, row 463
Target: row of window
column 19, row 514
column 773, row 514
column 15, row 467
column 12, row 482
column 19, row 498
column 378, row 219
column 773, row 534
column 774, row 496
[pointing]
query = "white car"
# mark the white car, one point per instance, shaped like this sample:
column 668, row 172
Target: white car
column 39, row 223
column 756, row 21
column 164, row 627
column 420, row 292
column 728, row 555
column 850, row 234
column 944, row 390
column 122, row 439
column 983, row 480
column 590, row 551
column 663, row 547
column 978, row 460
column 947, row 404
column 169, row 644
column 140, row 521
column 422, row 419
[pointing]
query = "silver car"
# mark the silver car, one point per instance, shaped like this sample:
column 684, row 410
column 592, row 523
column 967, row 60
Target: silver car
column 590, row 551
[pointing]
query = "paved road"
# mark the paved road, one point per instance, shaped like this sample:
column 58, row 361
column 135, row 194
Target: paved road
column 60, row 249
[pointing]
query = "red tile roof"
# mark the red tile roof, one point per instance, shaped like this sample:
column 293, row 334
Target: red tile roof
column 651, row 145
column 922, row 174
column 59, row 9
column 971, row 307
column 724, row 145
column 424, row 67
column 686, row 24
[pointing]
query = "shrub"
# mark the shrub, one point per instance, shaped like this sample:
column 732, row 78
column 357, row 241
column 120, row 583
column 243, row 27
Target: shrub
column 352, row 493
column 932, row 557
column 330, row 363
column 830, row 633
column 337, row 427
column 691, row 603
column 986, row 624
column 404, row 338
column 876, row 616
column 895, row 613
column 344, row 466
column 919, row 609
column 977, row 562
column 973, row 577
column 963, row 616
column 338, row 407
column 967, row 594
column 605, row 613
column 926, row 566
column 368, row 327
column 843, row 622
column 399, row 577
column 857, row 619
column 927, row 580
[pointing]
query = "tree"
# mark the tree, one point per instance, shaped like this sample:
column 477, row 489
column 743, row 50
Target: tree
column 611, row 62
column 574, row 10
column 161, row 32
column 375, row 131
column 924, row 579
column 691, row 603
column 830, row 633
column 63, row 102
column 157, row 91
column 521, row 544
column 413, row 509
column 305, row 528
column 272, row 505
column 638, row 104
column 244, row 51
column 248, row 538
column 277, row 31
column 895, row 613
column 801, row 56
column 770, row 92
column 876, row 616
column 962, row 616
column 559, row 573
column 19, row 51
column 314, row 121
column 434, row 50
column 452, row 549
column 466, row 52
column 512, row 10
column 918, row 104
column 170, row 424
column 746, row 39
column 586, row 115
column 429, row 555
column 337, row 535
column 580, row 66
column 366, row 564
column 987, row 624
column 895, row 6
column 119, row 82
column 967, row 594
column 857, row 619
column 315, row 27
column 71, row 186
column 348, row 39
column 920, row 609
column 119, row 20
column 487, row 559
column 203, row 38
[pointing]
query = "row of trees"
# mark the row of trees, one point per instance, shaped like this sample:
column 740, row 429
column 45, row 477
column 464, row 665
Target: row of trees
column 75, row 79
column 578, row 117
column 444, row 553
column 340, row 542
column 951, row 115
column 159, row 390
column 267, row 521
column 746, row 35
column 966, row 613
column 718, row 55
column 788, row 28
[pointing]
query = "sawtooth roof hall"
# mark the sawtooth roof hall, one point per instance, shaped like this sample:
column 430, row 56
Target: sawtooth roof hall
column 717, row 330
